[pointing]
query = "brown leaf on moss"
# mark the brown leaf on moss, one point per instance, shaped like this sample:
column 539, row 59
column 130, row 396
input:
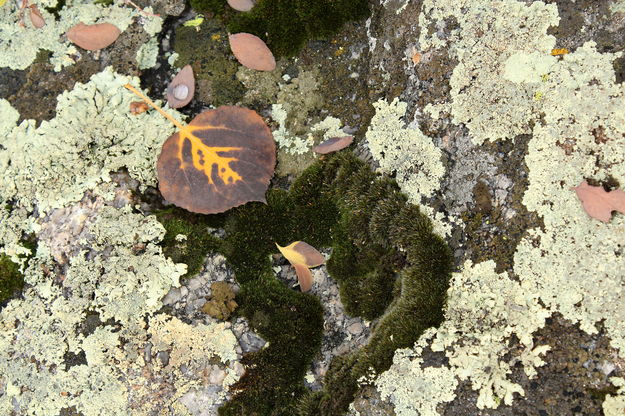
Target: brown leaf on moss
column 302, row 257
column 598, row 203
column 241, row 5
column 252, row 52
column 35, row 17
column 93, row 37
column 181, row 89
column 333, row 144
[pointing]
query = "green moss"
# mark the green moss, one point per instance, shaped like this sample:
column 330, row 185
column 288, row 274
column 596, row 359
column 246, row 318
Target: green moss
column 206, row 49
column 287, row 24
column 11, row 280
column 198, row 242
column 384, row 256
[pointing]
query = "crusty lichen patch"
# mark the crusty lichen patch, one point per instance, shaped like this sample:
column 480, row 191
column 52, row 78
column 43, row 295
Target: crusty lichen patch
column 488, row 35
column 19, row 45
column 573, row 264
column 92, row 135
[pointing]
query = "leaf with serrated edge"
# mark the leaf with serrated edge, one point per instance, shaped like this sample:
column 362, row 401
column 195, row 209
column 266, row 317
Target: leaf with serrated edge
column 598, row 203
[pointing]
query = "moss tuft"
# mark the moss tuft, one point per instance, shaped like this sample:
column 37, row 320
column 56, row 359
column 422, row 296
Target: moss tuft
column 287, row 24
column 385, row 258
column 11, row 280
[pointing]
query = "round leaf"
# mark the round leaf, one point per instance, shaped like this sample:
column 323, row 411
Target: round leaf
column 223, row 158
column 241, row 5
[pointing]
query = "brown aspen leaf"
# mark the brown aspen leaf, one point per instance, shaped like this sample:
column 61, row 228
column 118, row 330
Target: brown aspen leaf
column 222, row 159
column 333, row 144
column 302, row 257
column 181, row 89
column 93, row 37
column 598, row 203
column 241, row 5
column 35, row 17
column 252, row 52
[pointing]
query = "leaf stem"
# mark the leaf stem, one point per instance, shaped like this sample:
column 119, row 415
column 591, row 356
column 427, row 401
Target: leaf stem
column 157, row 108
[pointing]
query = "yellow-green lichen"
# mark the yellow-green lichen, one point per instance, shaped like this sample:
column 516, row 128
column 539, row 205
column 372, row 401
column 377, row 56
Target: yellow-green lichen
column 42, row 329
column 615, row 405
column 488, row 35
column 403, row 151
column 93, row 134
column 147, row 54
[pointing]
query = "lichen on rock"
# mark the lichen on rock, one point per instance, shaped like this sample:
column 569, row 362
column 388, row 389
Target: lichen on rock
column 403, row 151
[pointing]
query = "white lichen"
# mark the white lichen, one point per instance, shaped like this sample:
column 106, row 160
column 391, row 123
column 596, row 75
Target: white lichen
column 92, row 134
column 405, row 152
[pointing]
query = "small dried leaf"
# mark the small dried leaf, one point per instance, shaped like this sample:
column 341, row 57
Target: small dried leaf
column 181, row 89
column 333, row 144
column 302, row 256
column 93, row 37
column 300, row 252
column 138, row 107
column 304, row 277
column 416, row 58
column 598, row 203
column 252, row 52
column 35, row 17
column 241, row 5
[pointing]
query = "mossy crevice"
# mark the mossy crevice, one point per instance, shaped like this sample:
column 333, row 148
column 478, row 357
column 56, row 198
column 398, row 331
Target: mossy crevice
column 287, row 24
column 385, row 257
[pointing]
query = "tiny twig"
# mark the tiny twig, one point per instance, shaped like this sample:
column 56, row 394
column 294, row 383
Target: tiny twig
column 157, row 108
column 140, row 10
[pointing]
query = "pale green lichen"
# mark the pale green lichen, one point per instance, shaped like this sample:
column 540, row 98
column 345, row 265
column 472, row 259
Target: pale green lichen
column 147, row 54
column 405, row 152
column 615, row 405
column 42, row 328
column 414, row 388
column 582, row 137
column 499, row 308
column 286, row 140
column 19, row 45
column 9, row 117
column 93, row 134
column 572, row 265
column 488, row 35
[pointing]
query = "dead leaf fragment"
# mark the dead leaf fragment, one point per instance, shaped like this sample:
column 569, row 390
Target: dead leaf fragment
column 138, row 107
column 181, row 89
column 241, row 5
column 302, row 257
column 333, row 144
column 416, row 58
column 559, row 51
column 252, row 52
column 93, row 37
column 598, row 203
column 35, row 17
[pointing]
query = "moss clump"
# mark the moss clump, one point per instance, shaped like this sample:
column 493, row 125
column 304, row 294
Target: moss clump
column 287, row 24
column 11, row 280
column 187, row 239
column 385, row 258
column 208, row 52
column 222, row 303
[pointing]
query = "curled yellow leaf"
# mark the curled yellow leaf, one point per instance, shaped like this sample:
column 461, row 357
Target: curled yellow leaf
column 302, row 257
